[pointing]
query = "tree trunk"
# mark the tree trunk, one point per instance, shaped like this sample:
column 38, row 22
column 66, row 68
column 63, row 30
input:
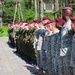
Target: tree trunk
column 36, row 9
column 41, row 8
column 63, row 3
column 56, row 3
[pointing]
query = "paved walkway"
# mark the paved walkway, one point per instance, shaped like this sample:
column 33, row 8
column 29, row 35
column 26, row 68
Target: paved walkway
column 11, row 63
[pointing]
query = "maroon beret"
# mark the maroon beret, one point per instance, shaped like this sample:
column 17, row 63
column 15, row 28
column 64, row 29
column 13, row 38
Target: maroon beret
column 37, row 21
column 59, row 20
column 27, row 24
column 46, row 23
column 45, row 18
column 15, row 23
column 65, row 8
column 72, row 18
column 31, row 22
column 52, row 21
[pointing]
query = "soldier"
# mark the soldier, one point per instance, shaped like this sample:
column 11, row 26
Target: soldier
column 66, row 41
column 73, row 46
column 44, row 48
column 51, row 51
column 26, row 26
column 38, row 44
column 59, row 23
column 51, row 44
column 45, row 20
column 31, row 24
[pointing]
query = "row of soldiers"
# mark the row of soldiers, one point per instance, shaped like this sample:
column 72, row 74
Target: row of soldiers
column 55, row 44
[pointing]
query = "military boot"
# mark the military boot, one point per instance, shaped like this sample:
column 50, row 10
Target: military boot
column 40, row 72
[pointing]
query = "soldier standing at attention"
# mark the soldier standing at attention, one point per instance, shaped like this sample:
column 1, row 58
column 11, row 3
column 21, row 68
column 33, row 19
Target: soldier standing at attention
column 66, row 42
column 38, row 45
column 41, row 40
column 51, row 48
column 59, row 24
column 51, row 44
column 73, row 46
column 44, row 46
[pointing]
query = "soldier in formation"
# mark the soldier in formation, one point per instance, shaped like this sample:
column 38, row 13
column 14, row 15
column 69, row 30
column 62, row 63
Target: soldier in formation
column 53, row 42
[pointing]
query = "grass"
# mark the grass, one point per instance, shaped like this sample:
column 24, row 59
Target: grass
column 4, row 31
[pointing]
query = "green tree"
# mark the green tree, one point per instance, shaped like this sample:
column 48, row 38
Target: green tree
column 8, row 11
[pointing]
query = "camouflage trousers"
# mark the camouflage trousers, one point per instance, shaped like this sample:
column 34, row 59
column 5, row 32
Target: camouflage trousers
column 52, row 64
column 63, row 67
column 73, row 71
column 38, row 56
column 43, row 60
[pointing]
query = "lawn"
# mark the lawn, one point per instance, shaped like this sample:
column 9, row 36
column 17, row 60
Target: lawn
column 4, row 31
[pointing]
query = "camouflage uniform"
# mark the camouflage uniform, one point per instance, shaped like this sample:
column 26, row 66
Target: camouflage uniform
column 44, row 52
column 51, row 53
column 73, row 55
column 65, row 49
column 38, row 45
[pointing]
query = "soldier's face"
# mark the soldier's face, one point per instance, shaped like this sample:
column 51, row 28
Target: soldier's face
column 35, row 24
column 45, row 21
column 41, row 25
column 47, row 28
column 59, row 25
column 26, row 27
column 51, row 26
column 31, row 26
column 64, row 14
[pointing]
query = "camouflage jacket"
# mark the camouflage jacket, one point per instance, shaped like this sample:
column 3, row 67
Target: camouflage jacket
column 45, row 43
column 39, row 39
column 65, row 38
column 73, row 52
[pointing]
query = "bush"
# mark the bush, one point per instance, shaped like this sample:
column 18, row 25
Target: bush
column 3, row 31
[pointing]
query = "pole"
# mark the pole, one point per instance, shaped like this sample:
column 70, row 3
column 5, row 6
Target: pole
column 41, row 8
column 35, row 9
column 15, row 13
column 56, row 5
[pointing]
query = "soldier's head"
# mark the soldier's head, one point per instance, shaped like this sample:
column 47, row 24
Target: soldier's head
column 45, row 20
column 36, row 23
column 26, row 26
column 73, row 22
column 49, row 26
column 31, row 25
column 40, row 24
column 52, row 25
column 67, row 13
column 59, row 23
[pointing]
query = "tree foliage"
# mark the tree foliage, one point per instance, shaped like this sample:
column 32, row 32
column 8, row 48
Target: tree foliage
column 8, row 8
column 27, row 6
